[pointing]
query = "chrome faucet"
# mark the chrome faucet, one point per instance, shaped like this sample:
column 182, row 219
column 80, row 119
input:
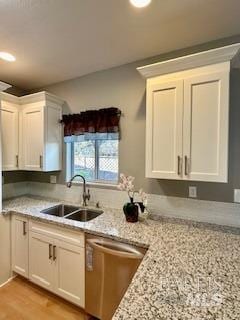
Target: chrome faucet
column 86, row 195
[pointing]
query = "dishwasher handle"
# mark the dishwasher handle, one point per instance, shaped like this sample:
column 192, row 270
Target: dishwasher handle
column 117, row 249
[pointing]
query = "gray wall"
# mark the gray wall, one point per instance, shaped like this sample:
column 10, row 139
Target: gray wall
column 123, row 87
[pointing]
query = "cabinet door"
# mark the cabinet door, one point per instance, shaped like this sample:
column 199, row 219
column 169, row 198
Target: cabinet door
column 41, row 264
column 70, row 273
column 9, row 127
column 53, row 139
column 33, row 138
column 164, row 130
column 206, row 108
column 20, row 245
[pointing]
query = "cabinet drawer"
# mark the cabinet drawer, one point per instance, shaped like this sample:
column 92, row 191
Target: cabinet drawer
column 59, row 233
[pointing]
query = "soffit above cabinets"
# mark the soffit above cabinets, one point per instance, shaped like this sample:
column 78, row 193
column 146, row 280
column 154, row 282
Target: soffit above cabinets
column 204, row 58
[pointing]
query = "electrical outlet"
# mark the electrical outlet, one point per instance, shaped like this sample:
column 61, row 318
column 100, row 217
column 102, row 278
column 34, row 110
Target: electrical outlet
column 53, row 179
column 237, row 195
column 192, row 192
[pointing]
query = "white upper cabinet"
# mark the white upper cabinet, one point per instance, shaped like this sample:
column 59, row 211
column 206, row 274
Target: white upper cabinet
column 205, row 138
column 10, row 141
column 41, row 132
column 32, row 138
column 31, row 132
column 164, row 117
column 188, row 116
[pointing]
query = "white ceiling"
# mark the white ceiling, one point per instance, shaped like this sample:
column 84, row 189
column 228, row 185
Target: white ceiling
column 56, row 40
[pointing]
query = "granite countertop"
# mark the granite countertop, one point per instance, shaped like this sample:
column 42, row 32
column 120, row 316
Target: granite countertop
column 190, row 271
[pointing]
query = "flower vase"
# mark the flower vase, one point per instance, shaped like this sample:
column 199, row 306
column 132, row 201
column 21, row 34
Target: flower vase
column 130, row 210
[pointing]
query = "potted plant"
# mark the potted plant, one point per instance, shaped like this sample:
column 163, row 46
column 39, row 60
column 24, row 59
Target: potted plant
column 131, row 209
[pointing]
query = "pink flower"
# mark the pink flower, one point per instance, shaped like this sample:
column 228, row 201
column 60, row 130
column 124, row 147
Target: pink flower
column 126, row 184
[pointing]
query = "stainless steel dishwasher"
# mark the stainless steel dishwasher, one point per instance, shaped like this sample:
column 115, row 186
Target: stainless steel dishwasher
column 110, row 267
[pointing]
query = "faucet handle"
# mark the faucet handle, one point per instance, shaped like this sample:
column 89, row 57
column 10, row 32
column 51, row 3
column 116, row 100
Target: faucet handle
column 98, row 204
column 88, row 194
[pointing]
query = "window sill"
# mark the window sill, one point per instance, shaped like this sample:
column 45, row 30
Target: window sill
column 101, row 185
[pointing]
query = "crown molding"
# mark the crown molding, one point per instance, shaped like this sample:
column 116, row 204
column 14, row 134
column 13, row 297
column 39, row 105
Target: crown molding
column 204, row 58
column 4, row 86
column 9, row 97
column 40, row 96
column 52, row 98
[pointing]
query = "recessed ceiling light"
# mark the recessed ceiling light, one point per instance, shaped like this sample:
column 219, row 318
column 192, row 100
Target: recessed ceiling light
column 7, row 56
column 140, row 3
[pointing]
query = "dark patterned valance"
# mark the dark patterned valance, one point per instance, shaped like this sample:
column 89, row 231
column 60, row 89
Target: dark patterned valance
column 102, row 121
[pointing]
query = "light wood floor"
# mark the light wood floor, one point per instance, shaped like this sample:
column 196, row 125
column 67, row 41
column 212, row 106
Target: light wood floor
column 21, row 300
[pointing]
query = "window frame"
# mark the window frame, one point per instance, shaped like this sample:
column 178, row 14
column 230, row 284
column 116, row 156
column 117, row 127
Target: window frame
column 70, row 166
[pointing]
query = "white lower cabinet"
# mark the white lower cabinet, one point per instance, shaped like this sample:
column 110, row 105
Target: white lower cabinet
column 55, row 256
column 20, row 245
column 70, row 272
column 41, row 264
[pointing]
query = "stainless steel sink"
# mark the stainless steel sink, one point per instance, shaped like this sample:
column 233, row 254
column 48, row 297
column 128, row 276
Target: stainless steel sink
column 72, row 212
column 60, row 210
column 84, row 215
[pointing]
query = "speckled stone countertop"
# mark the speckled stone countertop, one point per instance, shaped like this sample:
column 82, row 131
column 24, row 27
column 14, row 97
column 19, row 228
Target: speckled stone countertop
column 190, row 271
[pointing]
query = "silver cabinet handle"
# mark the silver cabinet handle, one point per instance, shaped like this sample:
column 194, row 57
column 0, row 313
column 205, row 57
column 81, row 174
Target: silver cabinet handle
column 17, row 161
column 24, row 228
column 41, row 161
column 179, row 166
column 54, row 253
column 50, row 251
column 186, row 165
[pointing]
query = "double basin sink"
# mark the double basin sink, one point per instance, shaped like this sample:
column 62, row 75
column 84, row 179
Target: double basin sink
column 72, row 212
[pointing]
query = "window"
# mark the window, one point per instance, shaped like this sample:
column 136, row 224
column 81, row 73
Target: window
column 96, row 160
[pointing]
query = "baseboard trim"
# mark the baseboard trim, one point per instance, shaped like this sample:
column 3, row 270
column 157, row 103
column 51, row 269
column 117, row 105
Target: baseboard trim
column 9, row 280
